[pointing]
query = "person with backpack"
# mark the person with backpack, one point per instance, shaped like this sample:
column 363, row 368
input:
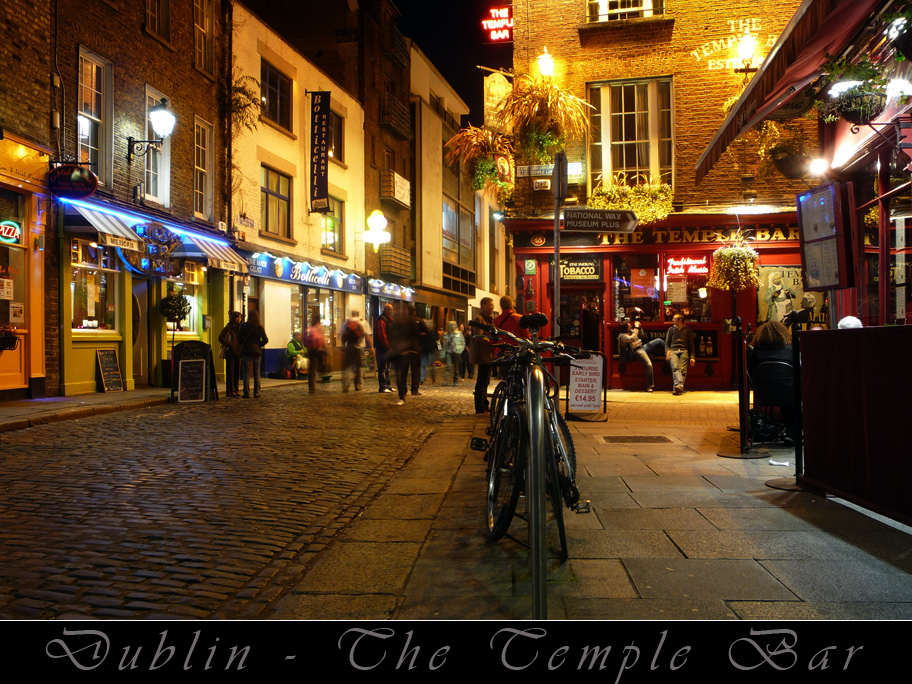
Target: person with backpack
column 355, row 338
column 253, row 338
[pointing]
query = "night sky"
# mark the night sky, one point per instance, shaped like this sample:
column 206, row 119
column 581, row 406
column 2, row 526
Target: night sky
column 450, row 34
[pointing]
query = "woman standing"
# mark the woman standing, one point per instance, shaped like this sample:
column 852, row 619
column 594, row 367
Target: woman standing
column 231, row 342
column 253, row 339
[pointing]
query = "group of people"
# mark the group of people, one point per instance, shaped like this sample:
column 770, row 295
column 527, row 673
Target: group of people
column 678, row 349
column 242, row 348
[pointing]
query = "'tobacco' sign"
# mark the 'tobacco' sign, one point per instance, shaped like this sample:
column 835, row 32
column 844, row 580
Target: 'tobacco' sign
column 586, row 384
column 585, row 220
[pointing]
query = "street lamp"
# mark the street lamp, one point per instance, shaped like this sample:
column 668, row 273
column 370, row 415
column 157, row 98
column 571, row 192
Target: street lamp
column 162, row 120
column 747, row 46
column 376, row 234
column 546, row 64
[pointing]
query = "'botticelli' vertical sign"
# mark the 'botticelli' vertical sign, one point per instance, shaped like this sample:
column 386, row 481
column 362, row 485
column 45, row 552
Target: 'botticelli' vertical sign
column 319, row 152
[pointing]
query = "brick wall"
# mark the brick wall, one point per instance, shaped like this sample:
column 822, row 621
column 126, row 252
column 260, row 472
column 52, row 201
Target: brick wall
column 697, row 46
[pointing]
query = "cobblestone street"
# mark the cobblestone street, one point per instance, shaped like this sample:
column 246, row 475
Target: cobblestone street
column 196, row 510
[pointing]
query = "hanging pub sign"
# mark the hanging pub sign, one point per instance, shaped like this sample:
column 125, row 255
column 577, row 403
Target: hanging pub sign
column 155, row 259
column 72, row 181
column 319, row 152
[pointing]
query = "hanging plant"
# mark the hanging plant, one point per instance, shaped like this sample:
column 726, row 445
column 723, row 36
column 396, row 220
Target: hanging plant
column 175, row 307
column 734, row 267
column 864, row 95
column 474, row 148
column 898, row 31
column 543, row 117
column 649, row 200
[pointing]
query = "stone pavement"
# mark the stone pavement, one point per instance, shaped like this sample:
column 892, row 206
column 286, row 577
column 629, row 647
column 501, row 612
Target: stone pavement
column 94, row 526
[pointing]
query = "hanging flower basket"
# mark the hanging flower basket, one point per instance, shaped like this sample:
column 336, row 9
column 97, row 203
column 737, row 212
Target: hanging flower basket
column 792, row 166
column 734, row 267
column 861, row 107
column 8, row 342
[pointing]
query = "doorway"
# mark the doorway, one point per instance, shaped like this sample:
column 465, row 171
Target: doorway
column 581, row 316
column 140, row 315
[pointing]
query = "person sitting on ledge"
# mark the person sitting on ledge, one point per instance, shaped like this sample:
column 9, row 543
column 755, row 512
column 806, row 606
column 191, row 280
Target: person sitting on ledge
column 631, row 348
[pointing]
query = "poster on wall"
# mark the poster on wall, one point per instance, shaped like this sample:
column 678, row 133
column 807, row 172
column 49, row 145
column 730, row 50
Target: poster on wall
column 781, row 292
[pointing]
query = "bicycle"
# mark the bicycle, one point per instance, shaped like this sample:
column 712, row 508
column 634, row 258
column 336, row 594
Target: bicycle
column 524, row 417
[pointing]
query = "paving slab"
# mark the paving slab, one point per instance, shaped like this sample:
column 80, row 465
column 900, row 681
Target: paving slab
column 849, row 581
column 724, row 580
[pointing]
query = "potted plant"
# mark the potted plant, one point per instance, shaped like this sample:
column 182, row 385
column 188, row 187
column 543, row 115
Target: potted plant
column 543, row 117
column 8, row 337
column 650, row 200
column 475, row 148
column 859, row 92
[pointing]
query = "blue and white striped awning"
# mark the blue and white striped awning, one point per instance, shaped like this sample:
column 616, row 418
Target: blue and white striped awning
column 216, row 254
column 112, row 230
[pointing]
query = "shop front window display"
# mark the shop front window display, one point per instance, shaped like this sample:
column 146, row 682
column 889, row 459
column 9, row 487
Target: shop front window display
column 653, row 288
column 92, row 279
column 636, row 286
column 685, row 287
column 188, row 290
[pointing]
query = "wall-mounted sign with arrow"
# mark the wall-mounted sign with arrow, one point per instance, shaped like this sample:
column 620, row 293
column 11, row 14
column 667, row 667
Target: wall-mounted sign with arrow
column 585, row 220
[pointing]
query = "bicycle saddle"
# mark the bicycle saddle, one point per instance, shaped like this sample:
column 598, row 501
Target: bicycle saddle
column 535, row 321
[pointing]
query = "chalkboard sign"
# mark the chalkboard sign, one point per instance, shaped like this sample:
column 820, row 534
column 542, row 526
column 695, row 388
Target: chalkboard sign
column 111, row 379
column 194, row 351
column 191, row 381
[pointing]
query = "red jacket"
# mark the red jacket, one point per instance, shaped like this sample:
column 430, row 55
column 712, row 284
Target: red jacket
column 509, row 320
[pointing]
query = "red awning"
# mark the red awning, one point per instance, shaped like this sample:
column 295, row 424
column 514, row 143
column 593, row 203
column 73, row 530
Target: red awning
column 818, row 28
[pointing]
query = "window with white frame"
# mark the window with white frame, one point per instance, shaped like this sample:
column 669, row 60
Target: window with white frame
column 275, row 91
column 336, row 136
column 333, row 223
column 612, row 10
column 275, row 203
column 158, row 158
column 158, row 18
column 188, row 288
column 93, row 116
column 203, row 40
column 202, row 170
column 631, row 131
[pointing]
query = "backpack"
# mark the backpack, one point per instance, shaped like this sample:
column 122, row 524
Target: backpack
column 352, row 333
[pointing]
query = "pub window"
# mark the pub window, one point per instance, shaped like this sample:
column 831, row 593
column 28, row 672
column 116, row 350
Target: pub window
column 685, row 287
column 275, row 203
column 275, row 91
column 636, row 287
column 93, row 278
column 188, row 288
column 93, row 117
column 333, row 222
column 655, row 288
column 631, row 132
column 158, row 18
column 613, row 10
column 203, row 40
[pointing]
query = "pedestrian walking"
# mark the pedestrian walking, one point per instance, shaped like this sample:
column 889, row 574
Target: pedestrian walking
column 315, row 341
column 231, row 352
column 253, row 338
column 465, row 368
column 481, row 354
column 355, row 339
column 406, row 351
column 679, row 352
column 382, row 347
column 453, row 347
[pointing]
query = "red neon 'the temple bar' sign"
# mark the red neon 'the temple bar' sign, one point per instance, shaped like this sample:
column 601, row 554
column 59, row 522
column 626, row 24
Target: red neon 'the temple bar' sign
column 498, row 24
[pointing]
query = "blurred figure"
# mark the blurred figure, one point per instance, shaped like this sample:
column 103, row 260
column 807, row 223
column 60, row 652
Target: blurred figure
column 315, row 341
column 481, row 355
column 355, row 339
column 382, row 348
column 406, row 351
column 631, row 348
column 253, row 338
column 453, row 346
column 427, row 338
column 465, row 368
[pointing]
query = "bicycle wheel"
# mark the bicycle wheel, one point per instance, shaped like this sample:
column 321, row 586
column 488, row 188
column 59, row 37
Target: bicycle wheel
column 506, row 473
column 554, row 490
column 565, row 458
column 497, row 399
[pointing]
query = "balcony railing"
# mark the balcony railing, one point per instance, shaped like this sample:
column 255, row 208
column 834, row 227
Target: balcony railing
column 395, row 47
column 612, row 10
column 395, row 261
column 394, row 188
column 395, row 116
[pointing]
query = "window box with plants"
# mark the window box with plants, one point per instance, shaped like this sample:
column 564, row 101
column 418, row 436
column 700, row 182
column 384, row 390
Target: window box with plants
column 650, row 200
column 9, row 340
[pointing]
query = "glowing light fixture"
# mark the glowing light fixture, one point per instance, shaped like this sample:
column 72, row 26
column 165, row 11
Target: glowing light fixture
column 162, row 120
column 376, row 234
column 747, row 46
column 818, row 167
column 546, row 64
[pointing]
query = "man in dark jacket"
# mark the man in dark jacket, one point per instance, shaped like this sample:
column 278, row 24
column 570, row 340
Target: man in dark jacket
column 679, row 352
column 382, row 347
column 406, row 350
column 252, row 337
column 480, row 354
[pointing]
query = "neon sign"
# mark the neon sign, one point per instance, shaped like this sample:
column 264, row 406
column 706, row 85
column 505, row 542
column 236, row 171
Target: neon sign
column 10, row 232
column 498, row 25
column 687, row 265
